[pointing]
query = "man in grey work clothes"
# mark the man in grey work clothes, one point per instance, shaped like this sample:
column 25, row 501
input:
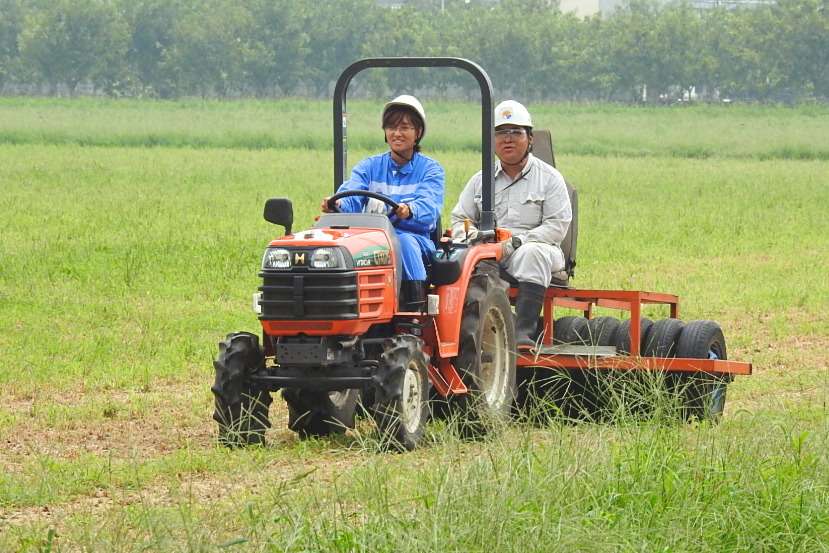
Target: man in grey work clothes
column 531, row 200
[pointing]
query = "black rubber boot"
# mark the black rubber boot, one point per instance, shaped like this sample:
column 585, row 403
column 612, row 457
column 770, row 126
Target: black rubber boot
column 528, row 306
column 414, row 292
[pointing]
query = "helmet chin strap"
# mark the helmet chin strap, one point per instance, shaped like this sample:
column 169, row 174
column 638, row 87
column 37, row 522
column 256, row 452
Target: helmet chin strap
column 401, row 156
column 520, row 161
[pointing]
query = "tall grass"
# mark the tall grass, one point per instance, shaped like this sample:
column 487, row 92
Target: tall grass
column 694, row 132
column 123, row 266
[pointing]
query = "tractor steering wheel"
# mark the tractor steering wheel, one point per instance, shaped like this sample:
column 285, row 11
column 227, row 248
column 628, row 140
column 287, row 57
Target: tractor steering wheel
column 332, row 202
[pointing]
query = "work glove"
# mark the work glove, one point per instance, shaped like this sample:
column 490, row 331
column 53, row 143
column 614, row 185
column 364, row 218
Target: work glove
column 508, row 246
column 373, row 205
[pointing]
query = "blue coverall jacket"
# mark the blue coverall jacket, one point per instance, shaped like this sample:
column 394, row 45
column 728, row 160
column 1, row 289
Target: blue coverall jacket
column 419, row 184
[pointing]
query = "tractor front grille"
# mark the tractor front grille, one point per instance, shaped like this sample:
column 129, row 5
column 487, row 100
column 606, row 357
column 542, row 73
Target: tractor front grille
column 309, row 296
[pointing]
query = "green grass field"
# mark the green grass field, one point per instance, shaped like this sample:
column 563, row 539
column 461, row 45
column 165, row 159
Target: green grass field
column 131, row 235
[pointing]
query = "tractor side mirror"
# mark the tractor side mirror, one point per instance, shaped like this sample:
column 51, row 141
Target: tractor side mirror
column 280, row 211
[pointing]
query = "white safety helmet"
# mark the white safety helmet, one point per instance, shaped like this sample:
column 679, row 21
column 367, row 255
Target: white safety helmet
column 510, row 112
column 409, row 102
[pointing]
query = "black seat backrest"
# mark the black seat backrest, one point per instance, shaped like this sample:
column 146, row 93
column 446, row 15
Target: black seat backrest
column 543, row 150
column 437, row 233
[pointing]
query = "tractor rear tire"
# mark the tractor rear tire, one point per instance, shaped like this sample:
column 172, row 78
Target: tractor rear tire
column 704, row 392
column 402, row 408
column 241, row 407
column 317, row 413
column 486, row 355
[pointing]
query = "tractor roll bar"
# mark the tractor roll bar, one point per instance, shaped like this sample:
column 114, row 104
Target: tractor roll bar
column 340, row 89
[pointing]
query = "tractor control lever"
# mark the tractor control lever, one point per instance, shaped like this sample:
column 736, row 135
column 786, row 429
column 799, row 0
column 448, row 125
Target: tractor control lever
column 445, row 245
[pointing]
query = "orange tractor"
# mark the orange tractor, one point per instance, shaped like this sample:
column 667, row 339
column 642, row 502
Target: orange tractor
column 336, row 332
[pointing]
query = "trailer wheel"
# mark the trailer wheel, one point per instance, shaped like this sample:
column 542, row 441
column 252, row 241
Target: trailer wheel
column 320, row 413
column 634, row 391
column 403, row 400
column 568, row 391
column 622, row 341
column 659, row 388
column 663, row 338
column 486, row 355
column 570, row 330
column 241, row 407
column 546, row 394
column 598, row 389
column 704, row 392
column 602, row 330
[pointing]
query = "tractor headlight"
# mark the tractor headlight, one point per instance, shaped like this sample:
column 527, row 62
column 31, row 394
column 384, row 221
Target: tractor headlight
column 327, row 258
column 276, row 258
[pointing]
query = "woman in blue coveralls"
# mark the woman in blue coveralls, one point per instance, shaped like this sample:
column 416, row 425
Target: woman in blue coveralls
column 414, row 181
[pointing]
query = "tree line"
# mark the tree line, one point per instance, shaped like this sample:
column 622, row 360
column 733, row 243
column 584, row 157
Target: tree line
column 276, row 48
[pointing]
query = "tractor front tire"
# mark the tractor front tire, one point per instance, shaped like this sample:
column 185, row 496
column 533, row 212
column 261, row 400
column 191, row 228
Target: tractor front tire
column 317, row 413
column 241, row 407
column 486, row 355
column 402, row 408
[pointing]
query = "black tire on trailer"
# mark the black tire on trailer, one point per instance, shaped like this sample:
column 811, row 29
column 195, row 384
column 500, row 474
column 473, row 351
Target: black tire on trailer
column 402, row 406
column 598, row 386
column 622, row 341
column 569, row 390
column 602, row 330
column 663, row 338
column 530, row 388
column 704, row 392
column 635, row 387
column 659, row 388
column 486, row 355
column 570, row 330
column 647, row 327
column 320, row 413
column 546, row 394
column 241, row 408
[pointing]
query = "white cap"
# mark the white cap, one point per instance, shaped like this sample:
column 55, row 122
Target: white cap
column 510, row 112
column 409, row 102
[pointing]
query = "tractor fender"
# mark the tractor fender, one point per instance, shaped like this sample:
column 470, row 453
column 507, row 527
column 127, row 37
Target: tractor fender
column 452, row 296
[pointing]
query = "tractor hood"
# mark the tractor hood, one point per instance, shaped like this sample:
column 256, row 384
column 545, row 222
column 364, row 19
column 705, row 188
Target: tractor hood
column 330, row 248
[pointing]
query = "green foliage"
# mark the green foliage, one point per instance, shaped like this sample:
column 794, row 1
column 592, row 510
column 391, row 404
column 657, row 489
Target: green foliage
column 73, row 42
column 10, row 25
column 643, row 48
column 804, row 32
